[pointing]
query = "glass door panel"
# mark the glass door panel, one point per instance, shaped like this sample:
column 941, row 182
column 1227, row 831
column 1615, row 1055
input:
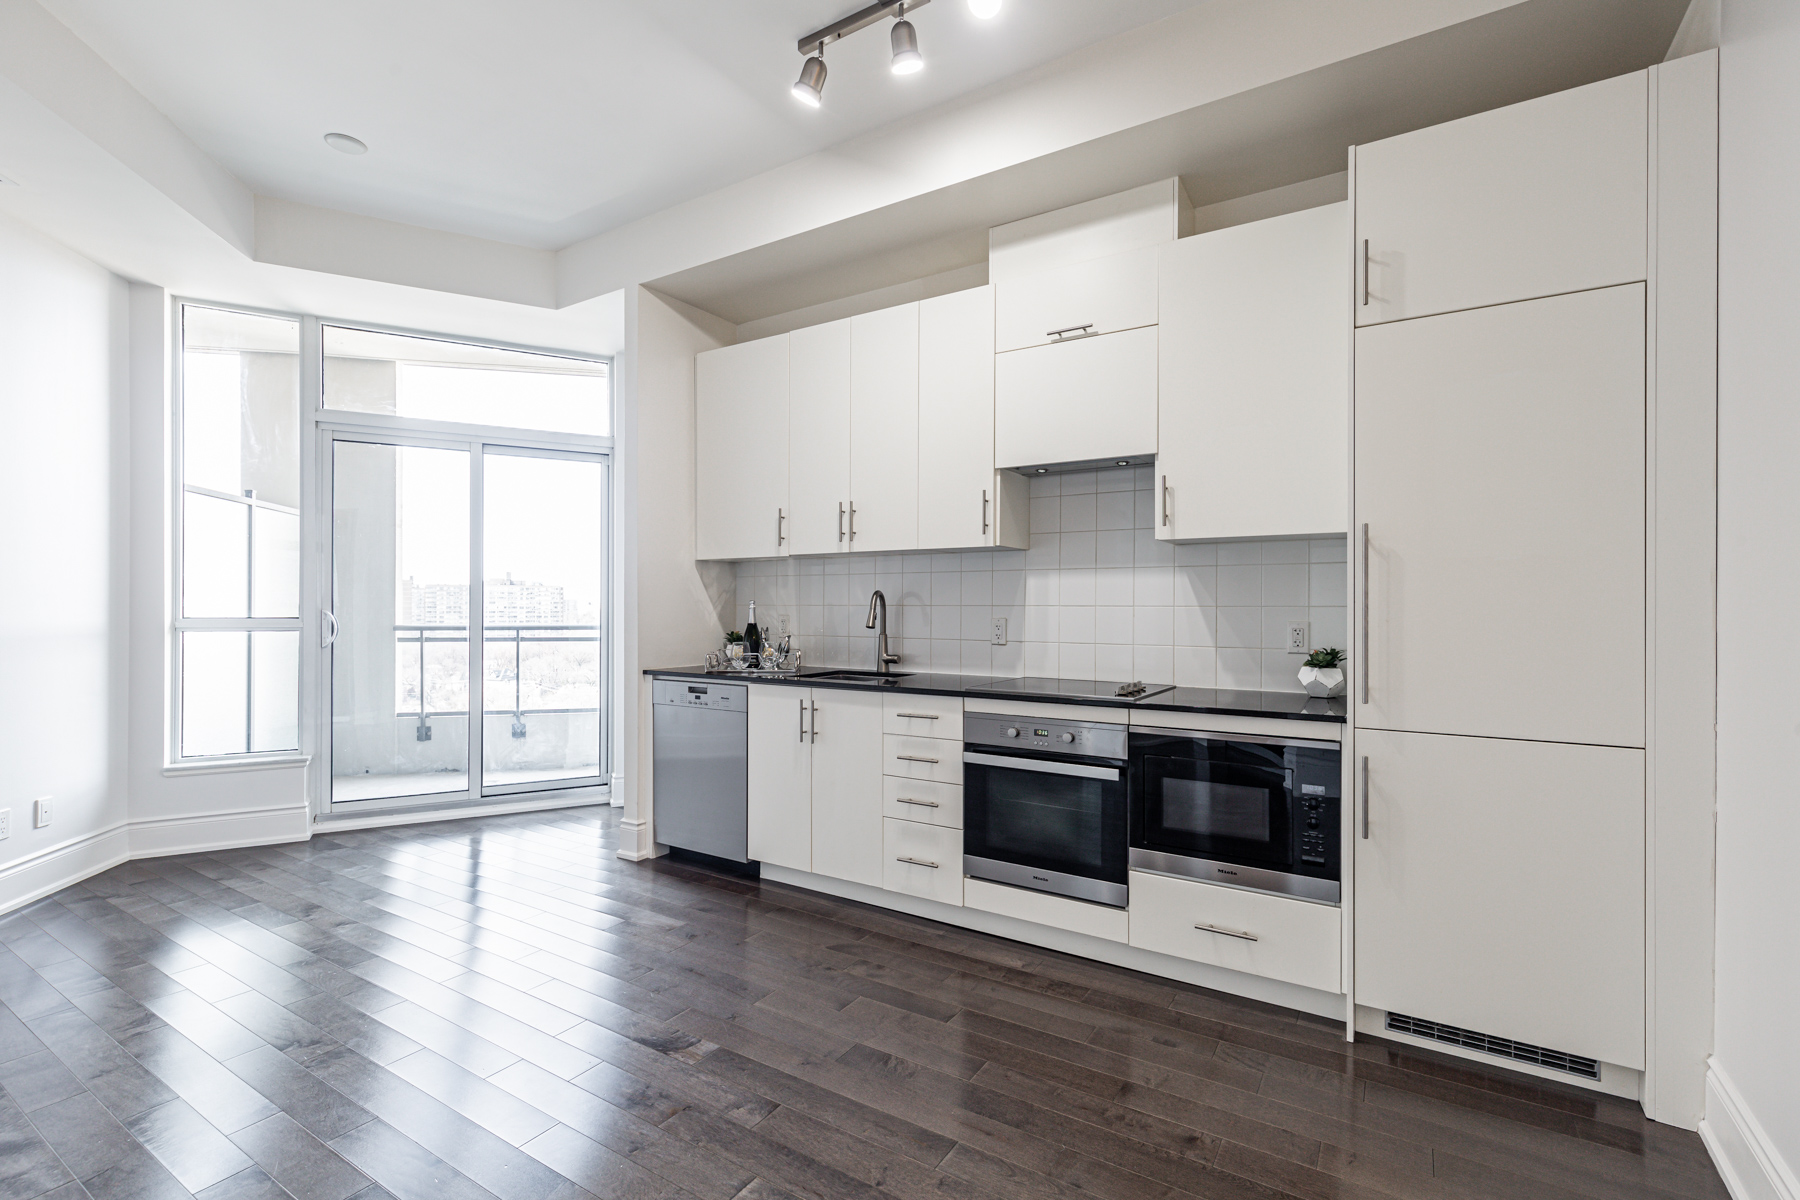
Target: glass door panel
column 543, row 548
column 400, row 663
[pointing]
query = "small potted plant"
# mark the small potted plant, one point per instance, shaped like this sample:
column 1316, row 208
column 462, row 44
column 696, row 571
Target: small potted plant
column 1323, row 674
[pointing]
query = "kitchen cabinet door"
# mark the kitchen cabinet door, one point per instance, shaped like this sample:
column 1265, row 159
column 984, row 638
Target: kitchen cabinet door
column 959, row 490
column 1078, row 401
column 884, row 430
column 1500, row 517
column 818, row 441
column 1501, row 889
column 1535, row 199
column 1105, row 295
column 780, row 776
column 740, row 500
column 846, row 785
column 1253, row 385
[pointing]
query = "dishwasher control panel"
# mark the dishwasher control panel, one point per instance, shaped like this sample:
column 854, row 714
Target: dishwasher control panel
column 723, row 697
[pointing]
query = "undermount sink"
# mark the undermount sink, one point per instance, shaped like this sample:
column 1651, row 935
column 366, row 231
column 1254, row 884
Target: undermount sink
column 872, row 678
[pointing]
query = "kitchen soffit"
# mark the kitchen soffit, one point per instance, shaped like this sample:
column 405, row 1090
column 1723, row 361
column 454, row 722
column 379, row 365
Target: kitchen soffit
column 1296, row 129
column 542, row 122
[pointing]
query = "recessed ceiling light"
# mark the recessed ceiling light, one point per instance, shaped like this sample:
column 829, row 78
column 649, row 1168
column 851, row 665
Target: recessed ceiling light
column 1043, row 470
column 346, row 144
column 809, row 89
column 1123, row 462
column 985, row 8
column 905, row 40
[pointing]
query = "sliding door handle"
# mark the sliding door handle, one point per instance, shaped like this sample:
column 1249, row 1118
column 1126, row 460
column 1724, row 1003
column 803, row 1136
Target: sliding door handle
column 328, row 639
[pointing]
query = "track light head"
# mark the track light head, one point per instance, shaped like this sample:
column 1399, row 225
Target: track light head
column 907, row 59
column 809, row 89
column 985, row 8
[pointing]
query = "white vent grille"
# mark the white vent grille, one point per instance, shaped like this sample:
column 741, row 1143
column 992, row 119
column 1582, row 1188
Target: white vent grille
column 1487, row 1043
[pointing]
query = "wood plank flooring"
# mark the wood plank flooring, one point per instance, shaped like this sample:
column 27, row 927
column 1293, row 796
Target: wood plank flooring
column 502, row 1008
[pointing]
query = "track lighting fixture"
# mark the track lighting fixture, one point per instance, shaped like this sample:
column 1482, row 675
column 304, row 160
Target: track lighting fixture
column 905, row 40
column 985, row 8
column 907, row 60
column 809, row 89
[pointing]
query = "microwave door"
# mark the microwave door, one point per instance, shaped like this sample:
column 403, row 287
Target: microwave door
column 1236, row 812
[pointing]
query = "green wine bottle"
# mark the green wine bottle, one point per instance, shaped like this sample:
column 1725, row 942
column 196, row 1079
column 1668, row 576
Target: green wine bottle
column 752, row 635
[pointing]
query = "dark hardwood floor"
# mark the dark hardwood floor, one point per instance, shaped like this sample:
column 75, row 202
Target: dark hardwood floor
column 501, row 1007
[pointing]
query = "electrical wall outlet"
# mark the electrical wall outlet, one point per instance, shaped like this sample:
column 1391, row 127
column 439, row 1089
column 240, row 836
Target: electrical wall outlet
column 40, row 812
column 1297, row 642
column 5, row 823
column 781, row 624
column 999, row 636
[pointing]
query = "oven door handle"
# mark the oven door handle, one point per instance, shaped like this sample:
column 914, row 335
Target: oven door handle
column 1041, row 767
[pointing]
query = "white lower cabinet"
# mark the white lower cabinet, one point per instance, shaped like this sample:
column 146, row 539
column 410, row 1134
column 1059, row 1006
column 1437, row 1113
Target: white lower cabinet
column 780, row 771
column 1252, row 932
column 1500, row 888
column 933, row 759
column 922, row 860
column 922, row 800
column 846, row 785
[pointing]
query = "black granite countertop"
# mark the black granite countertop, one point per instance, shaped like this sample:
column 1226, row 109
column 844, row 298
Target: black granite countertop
column 1296, row 706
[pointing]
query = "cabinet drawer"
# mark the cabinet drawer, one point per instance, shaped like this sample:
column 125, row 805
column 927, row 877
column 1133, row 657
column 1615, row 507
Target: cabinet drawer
column 922, row 800
column 1091, row 398
column 1294, row 941
column 923, row 716
column 922, row 860
column 1107, row 294
column 1058, row 912
column 935, row 759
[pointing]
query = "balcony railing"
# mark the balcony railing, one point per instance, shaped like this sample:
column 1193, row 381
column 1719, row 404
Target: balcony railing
column 412, row 641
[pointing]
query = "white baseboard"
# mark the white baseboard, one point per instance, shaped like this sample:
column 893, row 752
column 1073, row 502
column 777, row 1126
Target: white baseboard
column 267, row 826
column 56, row 867
column 1748, row 1162
column 424, row 816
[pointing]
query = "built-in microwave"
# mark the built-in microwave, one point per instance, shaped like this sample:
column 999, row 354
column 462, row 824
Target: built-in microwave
column 1242, row 810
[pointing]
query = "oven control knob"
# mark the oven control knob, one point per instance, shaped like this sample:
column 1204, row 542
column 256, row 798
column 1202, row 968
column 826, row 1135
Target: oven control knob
column 1012, row 733
column 1065, row 737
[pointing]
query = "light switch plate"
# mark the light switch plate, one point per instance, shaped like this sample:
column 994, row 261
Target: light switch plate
column 999, row 636
column 1297, row 640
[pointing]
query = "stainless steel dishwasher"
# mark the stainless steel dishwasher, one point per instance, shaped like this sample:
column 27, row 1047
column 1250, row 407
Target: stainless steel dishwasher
column 702, row 765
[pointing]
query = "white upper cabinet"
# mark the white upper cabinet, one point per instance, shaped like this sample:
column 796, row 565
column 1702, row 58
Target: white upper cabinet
column 1253, row 390
column 1086, row 399
column 1500, row 888
column 1536, row 199
column 1101, row 295
column 884, row 430
column 963, row 501
column 740, row 500
column 1500, row 501
column 818, row 470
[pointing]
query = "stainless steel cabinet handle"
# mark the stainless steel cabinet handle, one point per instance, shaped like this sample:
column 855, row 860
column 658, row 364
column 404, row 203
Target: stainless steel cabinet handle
column 1365, row 612
column 815, row 724
column 1365, row 273
column 984, row 510
column 919, row 716
column 914, row 758
column 803, row 721
column 853, row 520
column 1365, row 797
column 780, row 527
column 1165, row 500
column 917, row 862
column 1234, row 933
column 920, row 803
column 328, row 640
column 1056, row 333
column 840, row 520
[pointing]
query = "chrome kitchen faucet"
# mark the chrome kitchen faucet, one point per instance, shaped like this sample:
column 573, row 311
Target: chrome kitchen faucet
column 883, row 660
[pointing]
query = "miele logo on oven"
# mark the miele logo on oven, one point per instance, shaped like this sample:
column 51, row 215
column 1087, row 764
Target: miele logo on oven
column 1223, row 871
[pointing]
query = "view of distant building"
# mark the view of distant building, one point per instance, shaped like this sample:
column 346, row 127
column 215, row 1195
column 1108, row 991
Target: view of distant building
column 508, row 603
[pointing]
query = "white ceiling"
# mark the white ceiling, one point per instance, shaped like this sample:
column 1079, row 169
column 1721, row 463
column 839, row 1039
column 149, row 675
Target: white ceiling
column 542, row 122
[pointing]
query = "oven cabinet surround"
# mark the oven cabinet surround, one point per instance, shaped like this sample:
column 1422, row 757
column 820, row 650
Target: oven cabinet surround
column 1253, row 350
column 870, row 434
column 1533, row 386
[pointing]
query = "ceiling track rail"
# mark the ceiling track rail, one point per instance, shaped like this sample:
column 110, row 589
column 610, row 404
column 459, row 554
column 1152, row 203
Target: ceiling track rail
column 817, row 40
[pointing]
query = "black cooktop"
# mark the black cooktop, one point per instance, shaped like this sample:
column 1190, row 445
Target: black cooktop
column 1064, row 689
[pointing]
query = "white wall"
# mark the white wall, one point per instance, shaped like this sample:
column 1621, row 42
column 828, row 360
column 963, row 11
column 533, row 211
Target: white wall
column 671, row 608
column 1757, row 1047
column 1096, row 597
column 63, row 351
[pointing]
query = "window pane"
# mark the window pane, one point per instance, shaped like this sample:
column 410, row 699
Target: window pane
column 240, row 404
column 215, row 551
column 214, row 693
column 275, row 691
column 275, row 588
column 442, row 380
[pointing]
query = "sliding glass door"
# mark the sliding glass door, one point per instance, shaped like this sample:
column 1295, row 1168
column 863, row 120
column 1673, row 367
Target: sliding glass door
column 434, row 539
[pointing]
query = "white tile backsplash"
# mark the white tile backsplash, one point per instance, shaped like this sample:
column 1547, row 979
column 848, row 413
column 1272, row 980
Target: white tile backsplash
column 1096, row 597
